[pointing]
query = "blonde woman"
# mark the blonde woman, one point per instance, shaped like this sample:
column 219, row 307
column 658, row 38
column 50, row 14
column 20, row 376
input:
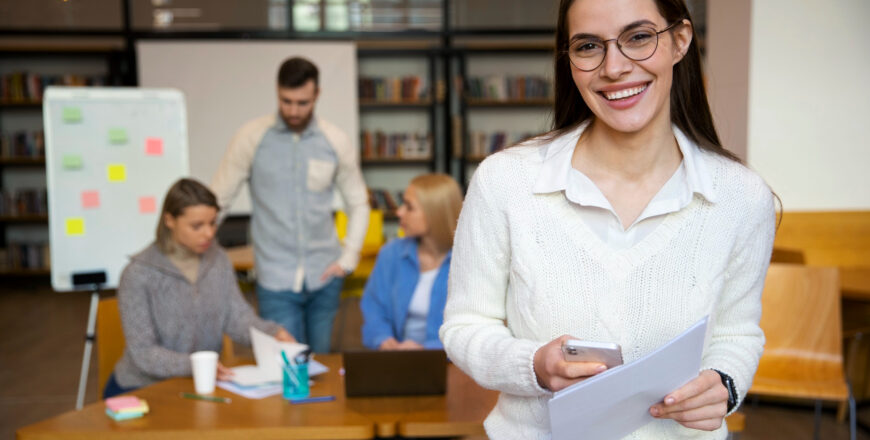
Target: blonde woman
column 403, row 301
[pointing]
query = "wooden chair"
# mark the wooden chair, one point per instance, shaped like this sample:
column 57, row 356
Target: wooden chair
column 803, row 355
column 110, row 342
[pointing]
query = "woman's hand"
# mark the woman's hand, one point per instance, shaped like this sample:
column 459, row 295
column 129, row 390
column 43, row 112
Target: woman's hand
column 409, row 345
column 555, row 373
column 224, row 373
column 700, row 404
column 389, row 344
column 284, row 336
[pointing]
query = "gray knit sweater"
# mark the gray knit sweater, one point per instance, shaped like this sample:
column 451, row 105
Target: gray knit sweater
column 165, row 317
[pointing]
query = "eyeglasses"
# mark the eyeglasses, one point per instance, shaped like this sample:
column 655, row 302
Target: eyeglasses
column 638, row 44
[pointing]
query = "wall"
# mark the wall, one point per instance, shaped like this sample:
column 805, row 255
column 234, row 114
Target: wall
column 808, row 100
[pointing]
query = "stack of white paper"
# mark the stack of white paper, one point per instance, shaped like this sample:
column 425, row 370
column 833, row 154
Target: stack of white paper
column 264, row 379
column 616, row 402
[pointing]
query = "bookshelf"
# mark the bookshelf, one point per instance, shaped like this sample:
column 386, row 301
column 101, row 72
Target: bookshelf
column 25, row 72
column 399, row 103
column 496, row 109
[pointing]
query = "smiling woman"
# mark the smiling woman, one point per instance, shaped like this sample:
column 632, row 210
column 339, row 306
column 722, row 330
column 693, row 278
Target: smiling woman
column 626, row 223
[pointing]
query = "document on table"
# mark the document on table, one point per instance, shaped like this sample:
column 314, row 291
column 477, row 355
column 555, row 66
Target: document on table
column 267, row 353
column 616, row 402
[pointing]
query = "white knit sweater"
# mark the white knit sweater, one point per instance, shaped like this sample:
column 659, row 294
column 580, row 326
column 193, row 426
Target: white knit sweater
column 526, row 269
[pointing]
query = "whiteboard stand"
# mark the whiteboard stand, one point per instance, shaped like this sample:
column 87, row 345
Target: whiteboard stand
column 95, row 280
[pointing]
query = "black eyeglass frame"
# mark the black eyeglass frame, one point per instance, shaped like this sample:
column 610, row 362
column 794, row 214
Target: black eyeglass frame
column 567, row 52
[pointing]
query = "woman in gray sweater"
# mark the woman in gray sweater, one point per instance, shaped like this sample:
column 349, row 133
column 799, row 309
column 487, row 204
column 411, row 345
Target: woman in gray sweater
column 179, row 295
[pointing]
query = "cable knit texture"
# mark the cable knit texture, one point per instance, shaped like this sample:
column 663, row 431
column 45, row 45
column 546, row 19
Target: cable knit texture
column 526, row 269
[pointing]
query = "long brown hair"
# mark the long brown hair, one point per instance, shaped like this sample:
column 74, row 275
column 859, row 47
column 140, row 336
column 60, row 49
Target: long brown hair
column 182, row 194
column 690, row 110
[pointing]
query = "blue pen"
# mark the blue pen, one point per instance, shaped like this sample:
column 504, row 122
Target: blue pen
column 313, row 399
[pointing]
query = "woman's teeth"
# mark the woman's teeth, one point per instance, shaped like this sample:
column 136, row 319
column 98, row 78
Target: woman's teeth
column 624, row 93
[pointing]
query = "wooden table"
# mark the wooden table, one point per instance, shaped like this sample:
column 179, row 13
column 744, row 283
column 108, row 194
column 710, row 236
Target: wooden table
column 242, row 258
column 458, row 413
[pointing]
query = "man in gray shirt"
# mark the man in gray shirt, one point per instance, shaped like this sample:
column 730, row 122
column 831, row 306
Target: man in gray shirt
column 292, row 161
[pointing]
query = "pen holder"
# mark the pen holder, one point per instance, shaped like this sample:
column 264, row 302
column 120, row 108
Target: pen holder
column 295, row 381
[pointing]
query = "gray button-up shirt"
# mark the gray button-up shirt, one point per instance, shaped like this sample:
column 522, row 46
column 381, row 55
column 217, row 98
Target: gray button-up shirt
column 291, row 178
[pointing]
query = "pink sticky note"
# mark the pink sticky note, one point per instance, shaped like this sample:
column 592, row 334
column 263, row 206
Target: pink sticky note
column 154, row 146
column 90, row 199
column 147, row 205
column 118, row 403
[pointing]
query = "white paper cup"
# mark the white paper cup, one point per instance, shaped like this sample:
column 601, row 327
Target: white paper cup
column 204, row 365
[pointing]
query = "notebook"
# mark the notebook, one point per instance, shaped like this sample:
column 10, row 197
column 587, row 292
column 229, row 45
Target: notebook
column 395, row 373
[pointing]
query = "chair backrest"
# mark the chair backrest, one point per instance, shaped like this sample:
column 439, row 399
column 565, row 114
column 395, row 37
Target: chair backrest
column 374, row 234
column 801, row 322
column 110, row 339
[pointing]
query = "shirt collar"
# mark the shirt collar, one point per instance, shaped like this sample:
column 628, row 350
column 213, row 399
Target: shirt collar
column 556, row 168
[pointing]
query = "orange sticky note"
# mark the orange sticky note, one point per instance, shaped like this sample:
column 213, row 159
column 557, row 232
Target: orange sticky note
column 117, row 172
column 147, row 205
column 90, row 199
column 154, row 146
column 75, row 226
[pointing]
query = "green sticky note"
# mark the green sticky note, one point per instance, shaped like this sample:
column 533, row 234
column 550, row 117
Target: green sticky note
column 117, row 135
column 72, row 161
column 72, row 114
column 75, row 226
column 117, row 172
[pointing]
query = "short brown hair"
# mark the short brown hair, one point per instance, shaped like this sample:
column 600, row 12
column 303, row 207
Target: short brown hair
column 295, row 72
column 183, row 193
column 441, row 199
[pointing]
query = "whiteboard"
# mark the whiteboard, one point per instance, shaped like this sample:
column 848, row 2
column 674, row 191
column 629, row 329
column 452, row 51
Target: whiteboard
column 111, row 154
column 227, row 83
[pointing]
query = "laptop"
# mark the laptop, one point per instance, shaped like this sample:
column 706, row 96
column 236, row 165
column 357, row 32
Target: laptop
column 395, row 373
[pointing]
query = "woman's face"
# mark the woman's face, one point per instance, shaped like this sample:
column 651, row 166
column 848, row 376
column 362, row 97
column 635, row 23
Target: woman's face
column 411, row 216
column 624, row 94
column 194, row 228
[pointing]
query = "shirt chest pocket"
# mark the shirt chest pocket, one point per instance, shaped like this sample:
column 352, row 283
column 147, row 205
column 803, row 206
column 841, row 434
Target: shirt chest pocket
column 320, row 174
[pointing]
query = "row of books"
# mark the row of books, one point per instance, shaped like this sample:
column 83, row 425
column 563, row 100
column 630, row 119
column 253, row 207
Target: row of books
column 383, row 200
column 24, row 86
column 17, row 256
column 481, row 144
column 22, row 144
column 503, row 88
column 393, row 89
column 23, row 201
column 380, row 145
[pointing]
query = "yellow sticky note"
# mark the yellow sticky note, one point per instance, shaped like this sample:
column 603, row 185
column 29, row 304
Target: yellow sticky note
column 75, row 226
column 117, row 172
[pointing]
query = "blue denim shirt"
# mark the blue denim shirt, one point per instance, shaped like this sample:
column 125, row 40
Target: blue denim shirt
column 388, row 294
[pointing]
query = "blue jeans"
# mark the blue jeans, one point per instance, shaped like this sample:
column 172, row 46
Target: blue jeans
column 308, row 315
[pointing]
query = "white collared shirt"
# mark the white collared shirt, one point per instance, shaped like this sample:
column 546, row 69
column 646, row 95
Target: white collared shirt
column 557, row 174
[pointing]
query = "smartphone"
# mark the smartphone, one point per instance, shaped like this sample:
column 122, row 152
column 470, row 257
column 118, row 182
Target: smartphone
column 608, row 353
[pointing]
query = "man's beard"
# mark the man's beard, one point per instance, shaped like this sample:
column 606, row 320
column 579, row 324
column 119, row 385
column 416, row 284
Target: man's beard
column 301, row 125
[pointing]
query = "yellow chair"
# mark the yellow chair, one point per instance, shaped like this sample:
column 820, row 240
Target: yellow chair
column 374, row 234
column 110, row 341
column 803, row 355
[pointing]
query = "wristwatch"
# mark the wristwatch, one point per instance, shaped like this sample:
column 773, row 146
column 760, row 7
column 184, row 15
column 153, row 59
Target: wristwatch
column 728, row 383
